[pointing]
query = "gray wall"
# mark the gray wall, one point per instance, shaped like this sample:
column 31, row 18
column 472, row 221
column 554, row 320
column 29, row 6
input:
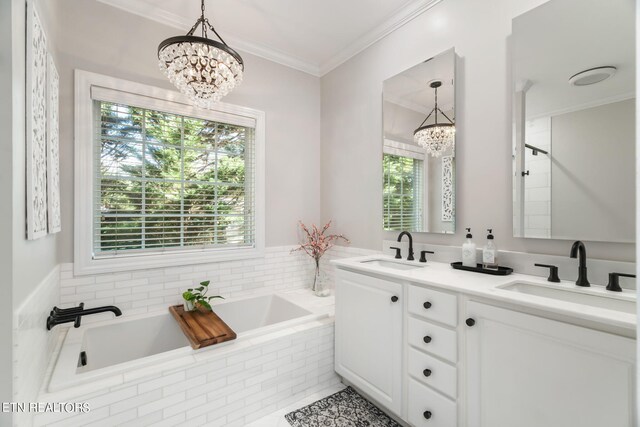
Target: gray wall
column 592, row 171
column 352, row 127
column 110, row 41
column 33, row 259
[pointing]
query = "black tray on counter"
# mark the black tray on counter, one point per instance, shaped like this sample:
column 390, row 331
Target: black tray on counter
column 501, row 271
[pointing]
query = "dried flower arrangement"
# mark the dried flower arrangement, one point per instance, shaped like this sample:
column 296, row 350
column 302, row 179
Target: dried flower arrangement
column 317, row 243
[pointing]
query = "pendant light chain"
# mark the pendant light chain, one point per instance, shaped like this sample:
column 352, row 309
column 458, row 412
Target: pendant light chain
column 436, row 117
column 204, row 27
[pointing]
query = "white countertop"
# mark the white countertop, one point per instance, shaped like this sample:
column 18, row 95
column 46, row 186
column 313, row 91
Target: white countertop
column 443, row 276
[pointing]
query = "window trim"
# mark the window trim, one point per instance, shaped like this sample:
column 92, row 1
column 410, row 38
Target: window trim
column 84, row 262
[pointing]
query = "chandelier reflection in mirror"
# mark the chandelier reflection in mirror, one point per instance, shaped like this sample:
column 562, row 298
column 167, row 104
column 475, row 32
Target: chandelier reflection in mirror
column 203, row 69
column 435, row 138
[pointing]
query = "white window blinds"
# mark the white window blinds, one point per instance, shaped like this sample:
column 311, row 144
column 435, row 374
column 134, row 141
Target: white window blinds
column 170, row 181
column 402, row 193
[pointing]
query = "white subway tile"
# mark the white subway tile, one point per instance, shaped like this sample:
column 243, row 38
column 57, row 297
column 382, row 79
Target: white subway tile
column 161, row 382
column 159, row 404
column 136, row 401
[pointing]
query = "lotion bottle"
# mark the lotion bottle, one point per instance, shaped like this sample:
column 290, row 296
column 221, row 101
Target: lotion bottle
column 469, row 251
column 490, row 253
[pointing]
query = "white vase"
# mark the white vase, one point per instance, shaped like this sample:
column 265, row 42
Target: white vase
column 188, row 305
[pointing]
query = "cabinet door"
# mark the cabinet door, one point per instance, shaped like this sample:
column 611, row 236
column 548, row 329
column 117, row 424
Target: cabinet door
column 369, row 336
column 528, row 371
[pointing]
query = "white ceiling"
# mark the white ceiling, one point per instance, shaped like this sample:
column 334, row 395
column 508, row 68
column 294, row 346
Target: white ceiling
column 563, row 37
column 411, row 89
column 408, row 99
column 309, row 35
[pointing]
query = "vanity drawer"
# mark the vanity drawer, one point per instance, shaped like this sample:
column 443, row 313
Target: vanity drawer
column 428, row 408
column 433, row 372
column 435, row 305
column 433, row 339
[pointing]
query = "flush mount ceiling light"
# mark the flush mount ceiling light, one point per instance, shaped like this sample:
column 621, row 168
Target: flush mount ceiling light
column 203, row 69
column 592, row 76
column 435, row 138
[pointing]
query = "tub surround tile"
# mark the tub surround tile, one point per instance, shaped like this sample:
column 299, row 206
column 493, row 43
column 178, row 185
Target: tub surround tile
column 33, row 345
column 269, row 383
column 149, row 290
column 233, row 384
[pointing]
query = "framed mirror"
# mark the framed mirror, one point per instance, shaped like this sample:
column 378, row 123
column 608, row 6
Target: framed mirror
column 574, row 121
column 418, row 160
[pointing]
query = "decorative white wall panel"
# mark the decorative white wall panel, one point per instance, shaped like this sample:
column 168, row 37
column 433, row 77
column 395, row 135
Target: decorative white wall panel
column 53, row 144
column 36, row 149
column 447, row 189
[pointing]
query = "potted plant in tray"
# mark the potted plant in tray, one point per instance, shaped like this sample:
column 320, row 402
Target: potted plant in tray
column 196, row 298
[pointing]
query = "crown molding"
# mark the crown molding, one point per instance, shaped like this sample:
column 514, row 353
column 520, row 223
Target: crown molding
column 400, row 18
column 585, row 105
column 405, row 14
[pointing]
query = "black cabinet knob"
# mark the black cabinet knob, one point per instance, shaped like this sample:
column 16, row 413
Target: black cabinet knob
column 427, row 339
column 427, row 305
column 470, row 322
column 394, row 299
column 427, row 414
column 427, row 372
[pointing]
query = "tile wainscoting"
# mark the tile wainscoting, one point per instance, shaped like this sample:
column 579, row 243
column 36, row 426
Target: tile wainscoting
column 33, row 345
column 143, row 291
column 229, row 386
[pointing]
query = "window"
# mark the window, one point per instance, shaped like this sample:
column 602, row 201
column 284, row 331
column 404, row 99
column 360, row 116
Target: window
column 403, row 183
column 402, row 193
column 164, row 183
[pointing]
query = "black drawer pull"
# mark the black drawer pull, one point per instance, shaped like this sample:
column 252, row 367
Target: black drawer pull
column 427, row 339
column 427, row 414
column 427, row 305
column 427, row 372
column 394, row 299
column 470, row 322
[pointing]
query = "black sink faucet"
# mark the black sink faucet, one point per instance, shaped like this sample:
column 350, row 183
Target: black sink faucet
column 579, row 249
column 66, row 315
column 406, row 233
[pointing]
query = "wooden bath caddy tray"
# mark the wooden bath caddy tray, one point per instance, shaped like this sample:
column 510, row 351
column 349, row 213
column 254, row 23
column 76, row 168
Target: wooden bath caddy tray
column 202, row 328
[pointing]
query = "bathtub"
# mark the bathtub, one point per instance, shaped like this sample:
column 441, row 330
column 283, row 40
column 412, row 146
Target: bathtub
column 127, row 344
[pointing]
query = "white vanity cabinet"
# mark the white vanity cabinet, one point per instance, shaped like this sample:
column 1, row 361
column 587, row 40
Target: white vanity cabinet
column 529, row 371
column 436, row 357
column 368, row 336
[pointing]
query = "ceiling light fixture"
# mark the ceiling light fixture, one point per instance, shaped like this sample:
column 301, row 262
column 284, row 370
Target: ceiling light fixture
column 203, row 69
column 592, row 76
column 437, row 137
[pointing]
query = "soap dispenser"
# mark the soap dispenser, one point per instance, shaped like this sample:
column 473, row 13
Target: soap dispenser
column 469, row 251
column 490, row 253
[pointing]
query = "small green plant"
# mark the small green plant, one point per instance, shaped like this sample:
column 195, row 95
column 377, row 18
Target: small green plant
column 198, row 296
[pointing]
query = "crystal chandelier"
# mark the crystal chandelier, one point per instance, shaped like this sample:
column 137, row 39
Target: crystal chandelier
column 437, row 137
column 203, row 69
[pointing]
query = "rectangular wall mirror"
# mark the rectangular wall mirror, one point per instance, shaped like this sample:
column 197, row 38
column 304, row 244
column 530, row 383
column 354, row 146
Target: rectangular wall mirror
column 419, row 172
column 573, row 64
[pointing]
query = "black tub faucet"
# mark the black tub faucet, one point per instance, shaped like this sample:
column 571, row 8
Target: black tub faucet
column 579, row 249
column 406, row 233
column 74, row 314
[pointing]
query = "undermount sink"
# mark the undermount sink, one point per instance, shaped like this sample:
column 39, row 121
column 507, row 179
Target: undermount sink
column 390, row 264
column 576, row 296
